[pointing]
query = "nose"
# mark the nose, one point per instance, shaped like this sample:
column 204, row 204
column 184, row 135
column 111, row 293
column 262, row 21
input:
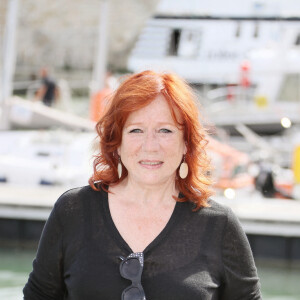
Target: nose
column 151, row 142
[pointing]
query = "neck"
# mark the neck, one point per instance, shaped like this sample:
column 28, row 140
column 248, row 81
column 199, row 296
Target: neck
column 147, row 195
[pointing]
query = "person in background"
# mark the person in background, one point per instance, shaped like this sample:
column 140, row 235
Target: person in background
column 48, row 93
column 100, row 100
column 146, row 226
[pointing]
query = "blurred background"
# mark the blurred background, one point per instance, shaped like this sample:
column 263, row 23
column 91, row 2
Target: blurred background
column 59, row 60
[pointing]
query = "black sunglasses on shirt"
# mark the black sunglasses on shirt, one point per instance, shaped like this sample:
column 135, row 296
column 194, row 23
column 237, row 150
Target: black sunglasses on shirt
column 131, row 268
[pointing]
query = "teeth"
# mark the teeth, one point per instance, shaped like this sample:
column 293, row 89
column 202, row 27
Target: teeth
column 150, row 163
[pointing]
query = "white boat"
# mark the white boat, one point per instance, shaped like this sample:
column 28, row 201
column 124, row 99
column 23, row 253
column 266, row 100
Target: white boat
column 56, row 158
column 245, row 68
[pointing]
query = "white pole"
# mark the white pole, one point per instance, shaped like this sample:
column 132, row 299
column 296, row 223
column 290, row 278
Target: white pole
column 99, row 71
column 8, row 62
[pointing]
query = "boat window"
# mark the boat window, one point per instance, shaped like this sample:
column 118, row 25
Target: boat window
column 185, row 42
column 174, row 42
column 238, row 30
column 290, row 88
column 256, row 31
column 297, row 42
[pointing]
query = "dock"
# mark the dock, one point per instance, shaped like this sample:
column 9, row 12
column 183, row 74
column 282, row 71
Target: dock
column 272, row 225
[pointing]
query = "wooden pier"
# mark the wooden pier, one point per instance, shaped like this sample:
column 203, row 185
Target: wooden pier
column 272, row 225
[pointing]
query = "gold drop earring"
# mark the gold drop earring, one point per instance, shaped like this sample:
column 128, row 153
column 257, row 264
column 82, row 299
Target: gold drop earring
column 184, row 169
column 119, row 168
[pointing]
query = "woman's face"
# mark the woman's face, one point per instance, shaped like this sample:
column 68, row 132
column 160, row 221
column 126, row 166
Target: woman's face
column 152, row 146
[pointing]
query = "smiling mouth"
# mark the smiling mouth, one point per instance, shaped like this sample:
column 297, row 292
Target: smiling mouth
column 151, row 163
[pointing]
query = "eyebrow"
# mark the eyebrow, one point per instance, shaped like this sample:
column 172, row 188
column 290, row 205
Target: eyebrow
column 159, row 123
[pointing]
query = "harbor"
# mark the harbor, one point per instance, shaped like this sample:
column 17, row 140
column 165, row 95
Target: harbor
column 278, row 280
column 246, row 81
column 272, row 225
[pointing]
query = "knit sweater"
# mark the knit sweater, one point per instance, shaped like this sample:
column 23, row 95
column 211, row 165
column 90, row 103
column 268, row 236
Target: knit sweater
column 198, row 255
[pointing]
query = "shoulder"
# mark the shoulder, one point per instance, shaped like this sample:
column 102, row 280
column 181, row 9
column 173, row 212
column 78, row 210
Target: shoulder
column 218, row 214
column 79, row 192
column 215, row 207
column 78, row 198
column 224, row 212
column 215, row 216
column 215, row 210
column 222, row 219
column 231, row 226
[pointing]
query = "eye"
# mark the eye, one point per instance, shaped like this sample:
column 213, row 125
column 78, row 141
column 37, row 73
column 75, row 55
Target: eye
column 136, row 130
column 165, row 130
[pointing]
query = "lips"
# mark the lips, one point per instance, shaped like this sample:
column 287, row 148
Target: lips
column 151, row 163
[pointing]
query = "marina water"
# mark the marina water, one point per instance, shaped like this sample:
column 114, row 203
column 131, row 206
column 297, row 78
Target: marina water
column 279, row 280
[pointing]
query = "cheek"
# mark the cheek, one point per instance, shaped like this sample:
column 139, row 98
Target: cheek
column 174, row 147
column 129, row 146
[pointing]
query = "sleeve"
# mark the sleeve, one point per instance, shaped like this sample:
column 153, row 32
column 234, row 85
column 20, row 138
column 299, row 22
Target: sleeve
column 46, row 280
column 240, row 280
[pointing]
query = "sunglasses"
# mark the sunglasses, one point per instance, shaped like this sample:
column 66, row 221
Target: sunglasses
column 131, row 268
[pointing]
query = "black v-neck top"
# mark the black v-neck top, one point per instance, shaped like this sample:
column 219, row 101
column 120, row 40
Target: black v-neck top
column 119, row 239
column 198, row 255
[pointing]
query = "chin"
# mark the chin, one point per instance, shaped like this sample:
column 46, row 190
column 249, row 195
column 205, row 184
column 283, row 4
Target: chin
column 149, row 182
column 154, row 180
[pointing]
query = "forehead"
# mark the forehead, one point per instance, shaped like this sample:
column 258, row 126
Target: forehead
column 157, row 110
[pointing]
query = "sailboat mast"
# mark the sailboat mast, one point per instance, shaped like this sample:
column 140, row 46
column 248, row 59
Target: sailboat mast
column 99, row 71
column 8, row 62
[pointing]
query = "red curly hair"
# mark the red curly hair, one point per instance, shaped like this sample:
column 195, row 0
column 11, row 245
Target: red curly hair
column 134, row 93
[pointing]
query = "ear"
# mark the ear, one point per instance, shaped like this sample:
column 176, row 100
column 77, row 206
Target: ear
column 118, row 151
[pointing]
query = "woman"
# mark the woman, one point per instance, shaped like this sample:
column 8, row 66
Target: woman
column 145, row 227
